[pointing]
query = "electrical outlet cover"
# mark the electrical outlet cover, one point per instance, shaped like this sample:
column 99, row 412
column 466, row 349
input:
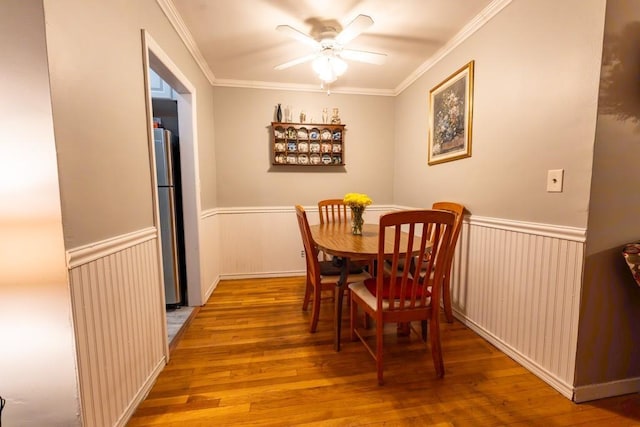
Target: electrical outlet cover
column 554, row 180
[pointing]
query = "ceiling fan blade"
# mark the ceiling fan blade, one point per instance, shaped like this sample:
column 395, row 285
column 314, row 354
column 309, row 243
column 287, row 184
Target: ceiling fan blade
column 296, row 61
column 364, row 56
column 298, row 35
column 354, row 28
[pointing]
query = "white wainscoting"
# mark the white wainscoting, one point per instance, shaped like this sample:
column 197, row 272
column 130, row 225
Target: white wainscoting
column 518, row 285
column 210, row 250
column 266, row 242
column 119, row 324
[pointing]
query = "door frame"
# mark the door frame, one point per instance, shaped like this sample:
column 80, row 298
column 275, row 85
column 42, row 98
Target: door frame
column 154, row 57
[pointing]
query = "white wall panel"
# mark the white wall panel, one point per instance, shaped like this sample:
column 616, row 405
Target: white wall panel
column 210, row 249
column 263, row 242
column 520, row 289
column 120, row 332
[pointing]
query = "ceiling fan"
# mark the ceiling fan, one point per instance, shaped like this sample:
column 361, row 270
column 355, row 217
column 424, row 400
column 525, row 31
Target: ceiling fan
column 328, row 43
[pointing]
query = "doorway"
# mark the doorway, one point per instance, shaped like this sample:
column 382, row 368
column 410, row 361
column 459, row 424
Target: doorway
column 184, row 93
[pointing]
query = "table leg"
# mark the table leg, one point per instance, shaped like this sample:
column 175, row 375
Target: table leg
column 340, row 284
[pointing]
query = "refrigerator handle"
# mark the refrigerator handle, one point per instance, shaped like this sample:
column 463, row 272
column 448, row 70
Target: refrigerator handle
column 174, row 244
column 169, row 156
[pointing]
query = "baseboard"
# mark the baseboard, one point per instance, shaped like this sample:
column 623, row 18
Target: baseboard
column 609, row 389
column 562, row 387
column 211, row 289
column 142, row 393
column 263, row 275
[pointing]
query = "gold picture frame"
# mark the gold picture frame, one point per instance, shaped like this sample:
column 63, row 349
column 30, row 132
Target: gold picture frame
column 450, row 117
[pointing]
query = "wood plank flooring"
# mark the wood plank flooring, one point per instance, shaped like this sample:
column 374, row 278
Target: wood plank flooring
column 247, row 358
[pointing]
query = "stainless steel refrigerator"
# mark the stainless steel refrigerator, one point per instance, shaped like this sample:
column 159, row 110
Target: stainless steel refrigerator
column 166, row 150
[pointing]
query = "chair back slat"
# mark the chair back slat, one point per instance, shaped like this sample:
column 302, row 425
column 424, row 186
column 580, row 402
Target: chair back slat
column 427, row 239
column 333, row 210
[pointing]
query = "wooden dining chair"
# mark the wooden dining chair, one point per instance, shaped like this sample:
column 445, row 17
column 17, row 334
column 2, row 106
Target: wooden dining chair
column 321, row 275
column 333, row 210
column 336, row 210
column 400, row 297
column 458, row 210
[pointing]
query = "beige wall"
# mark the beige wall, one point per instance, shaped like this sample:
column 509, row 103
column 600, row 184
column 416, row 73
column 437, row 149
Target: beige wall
column 536, row 78
column 610, row 297
column 76, row 170
column 98, row 95
column 244, row 172
column 36, row 331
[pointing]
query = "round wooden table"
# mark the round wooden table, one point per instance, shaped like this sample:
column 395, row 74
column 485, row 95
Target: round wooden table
column 336, row 239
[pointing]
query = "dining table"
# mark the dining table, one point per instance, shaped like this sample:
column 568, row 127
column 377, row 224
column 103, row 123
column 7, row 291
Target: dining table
column 336, row 239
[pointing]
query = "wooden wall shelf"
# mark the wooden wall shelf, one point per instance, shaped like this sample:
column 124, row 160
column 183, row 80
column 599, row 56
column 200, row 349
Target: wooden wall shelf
column 307, row 144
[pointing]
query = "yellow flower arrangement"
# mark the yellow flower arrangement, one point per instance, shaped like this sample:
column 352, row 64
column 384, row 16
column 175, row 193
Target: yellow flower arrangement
column 357, row 199
column 357, row 202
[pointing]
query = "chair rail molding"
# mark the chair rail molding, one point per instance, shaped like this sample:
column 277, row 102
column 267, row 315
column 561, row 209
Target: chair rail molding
column 87, row 253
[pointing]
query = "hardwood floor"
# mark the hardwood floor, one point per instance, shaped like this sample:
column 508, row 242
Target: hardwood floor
column 247, row 358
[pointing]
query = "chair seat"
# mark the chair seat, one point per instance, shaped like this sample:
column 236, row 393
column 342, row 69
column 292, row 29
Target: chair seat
column 351, row 278
column 366, row 289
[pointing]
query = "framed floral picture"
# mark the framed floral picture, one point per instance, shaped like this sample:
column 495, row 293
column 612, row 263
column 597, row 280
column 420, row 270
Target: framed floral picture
column 450, row 117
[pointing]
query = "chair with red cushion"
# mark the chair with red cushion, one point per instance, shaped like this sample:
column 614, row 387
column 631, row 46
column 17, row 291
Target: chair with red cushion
column 458, row 210
column 398, row 297
column 321, row 275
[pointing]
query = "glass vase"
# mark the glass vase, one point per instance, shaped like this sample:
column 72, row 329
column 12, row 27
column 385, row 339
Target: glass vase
column 356, row 220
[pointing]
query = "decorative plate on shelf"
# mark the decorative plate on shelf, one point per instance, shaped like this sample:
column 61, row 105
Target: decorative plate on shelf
column 326, row 147
column 302, row 134
column 280, row 158
column 292, row 159
column 280, row 146
column 337, row 160
column 337, row 135
column 315, row 159
column 279, row 133
column 337, row 148
column 314, row 147
column 303, row 159
column 291, row 133
column 326, row 134
column 292, row 146
column 314, row 134
column 326, row 159
column 303, row 147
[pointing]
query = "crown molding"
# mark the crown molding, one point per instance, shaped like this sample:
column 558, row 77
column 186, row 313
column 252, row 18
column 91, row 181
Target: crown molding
column 178, row 24
column 302, row 87
column 474, row 25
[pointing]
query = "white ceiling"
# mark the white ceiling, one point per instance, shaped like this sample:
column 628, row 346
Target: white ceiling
column 237, row 43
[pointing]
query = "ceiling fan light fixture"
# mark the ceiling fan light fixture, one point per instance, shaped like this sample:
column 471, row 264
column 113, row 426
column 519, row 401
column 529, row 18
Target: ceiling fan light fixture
column 328, row 43
column 329, row 67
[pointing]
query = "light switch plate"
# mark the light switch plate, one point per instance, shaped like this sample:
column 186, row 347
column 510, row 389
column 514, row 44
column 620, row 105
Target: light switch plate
column 554, row 180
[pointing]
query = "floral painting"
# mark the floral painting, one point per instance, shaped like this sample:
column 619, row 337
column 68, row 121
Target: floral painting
column 450, row 114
